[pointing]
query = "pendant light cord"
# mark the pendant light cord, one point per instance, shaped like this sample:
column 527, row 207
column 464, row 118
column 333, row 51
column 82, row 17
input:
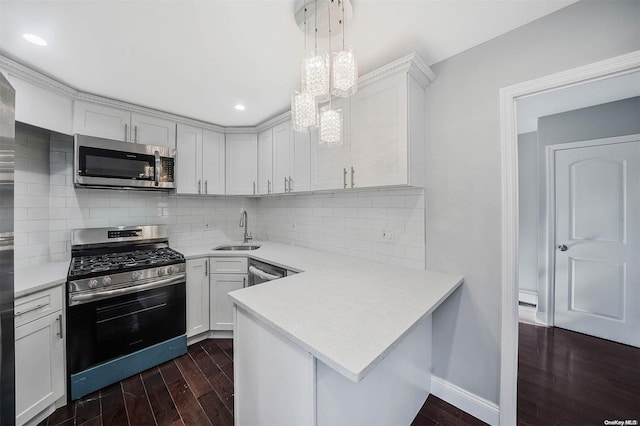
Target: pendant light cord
column 344, row 27
column 330, row 52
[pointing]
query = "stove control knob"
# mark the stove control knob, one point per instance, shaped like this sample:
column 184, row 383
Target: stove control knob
column 169, row 270
column 93, row 283
column 106, row 281
column 161, row 272
column 136, row 275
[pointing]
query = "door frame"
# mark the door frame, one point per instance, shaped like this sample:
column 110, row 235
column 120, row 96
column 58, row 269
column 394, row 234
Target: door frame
column 550, row 223
column 509, row 160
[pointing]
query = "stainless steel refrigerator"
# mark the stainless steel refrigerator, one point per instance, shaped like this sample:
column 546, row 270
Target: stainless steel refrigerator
column 7, row 342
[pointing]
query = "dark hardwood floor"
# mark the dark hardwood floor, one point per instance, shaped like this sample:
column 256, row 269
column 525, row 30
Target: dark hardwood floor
column 195, row 389
column 568, row 378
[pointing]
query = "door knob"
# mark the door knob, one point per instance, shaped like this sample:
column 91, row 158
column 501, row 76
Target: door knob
column 563, row 247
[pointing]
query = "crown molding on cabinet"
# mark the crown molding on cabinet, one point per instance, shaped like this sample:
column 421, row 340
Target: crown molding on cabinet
column 412, row 63
column 37, row 79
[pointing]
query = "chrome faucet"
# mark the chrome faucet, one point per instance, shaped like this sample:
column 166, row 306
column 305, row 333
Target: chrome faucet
column 244, row 221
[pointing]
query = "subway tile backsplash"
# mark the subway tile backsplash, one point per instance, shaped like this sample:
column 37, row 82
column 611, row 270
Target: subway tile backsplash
column 382, row 225
column 385, row 225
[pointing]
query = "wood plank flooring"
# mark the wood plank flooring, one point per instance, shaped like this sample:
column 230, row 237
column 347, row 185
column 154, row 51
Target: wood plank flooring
column 194, row 389
column 568, row 378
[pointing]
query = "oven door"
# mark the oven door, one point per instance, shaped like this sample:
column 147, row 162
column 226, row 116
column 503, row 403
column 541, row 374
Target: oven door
column 103, row 162
column 108, row 328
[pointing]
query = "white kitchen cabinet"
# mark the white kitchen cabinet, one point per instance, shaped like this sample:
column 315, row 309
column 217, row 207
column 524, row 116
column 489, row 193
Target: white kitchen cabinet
column 301, row 163
column 197, row 296
column 241, row 164
column 213, row 162
column 39, row 354
column 329, row 164
column 265, row 162
column 149, row 130
column 291, row 159
column 200, row 161
column 119, row 124
column 221, row 306
column 383, row 132
column 227, row 274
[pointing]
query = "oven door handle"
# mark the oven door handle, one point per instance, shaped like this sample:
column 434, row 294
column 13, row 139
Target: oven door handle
column 262, row 274
column 86, row 297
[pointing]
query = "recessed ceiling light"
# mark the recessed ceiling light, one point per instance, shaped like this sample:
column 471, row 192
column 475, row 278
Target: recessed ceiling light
column 32, row 38
column 240, row 107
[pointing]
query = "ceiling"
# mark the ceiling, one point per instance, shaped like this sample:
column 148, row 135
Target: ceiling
column 200, row 58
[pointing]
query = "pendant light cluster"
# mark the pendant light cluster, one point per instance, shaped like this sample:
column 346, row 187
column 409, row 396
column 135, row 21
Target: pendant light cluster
column 324, row 75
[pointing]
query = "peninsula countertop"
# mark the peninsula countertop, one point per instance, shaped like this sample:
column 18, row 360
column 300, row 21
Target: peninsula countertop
column 347, row 312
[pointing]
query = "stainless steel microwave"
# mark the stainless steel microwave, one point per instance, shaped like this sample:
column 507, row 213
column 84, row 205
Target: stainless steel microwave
column 102, row 162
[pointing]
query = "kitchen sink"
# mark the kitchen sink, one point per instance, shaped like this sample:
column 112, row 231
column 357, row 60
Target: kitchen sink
column 235, row 247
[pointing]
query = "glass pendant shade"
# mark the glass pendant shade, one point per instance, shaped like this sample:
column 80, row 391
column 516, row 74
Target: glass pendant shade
column 315, row 76
column 304, row 112
column 345, row 73
column 331, row 127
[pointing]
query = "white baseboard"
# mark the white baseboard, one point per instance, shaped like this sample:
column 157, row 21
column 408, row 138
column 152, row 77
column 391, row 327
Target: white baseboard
column 530, row 297
column 478, row 407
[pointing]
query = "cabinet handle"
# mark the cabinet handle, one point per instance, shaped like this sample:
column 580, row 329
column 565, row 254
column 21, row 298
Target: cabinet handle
column 290, row 184
column 268, row 186
column 199, row 186
column 244, row 282
column 18, row 314
column 353, row 172
column 59, row 319
column 135, row 133
column 344, row 177
column 206, row 268
column 126, row 132
column 206, row 186
column 285, row 184
column 254, row 187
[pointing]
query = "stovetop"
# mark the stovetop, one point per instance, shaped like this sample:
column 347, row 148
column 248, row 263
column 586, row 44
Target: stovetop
column 90, row 264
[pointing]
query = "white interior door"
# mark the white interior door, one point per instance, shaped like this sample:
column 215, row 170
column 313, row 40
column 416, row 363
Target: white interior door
column 597, row 279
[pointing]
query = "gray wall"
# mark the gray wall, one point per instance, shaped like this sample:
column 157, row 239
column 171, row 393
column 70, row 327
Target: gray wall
column 596, row 122
column 464, row 170
column 528, row 205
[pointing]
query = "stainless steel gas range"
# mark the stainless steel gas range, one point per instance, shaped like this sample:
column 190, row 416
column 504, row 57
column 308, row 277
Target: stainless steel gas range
column 126, row 305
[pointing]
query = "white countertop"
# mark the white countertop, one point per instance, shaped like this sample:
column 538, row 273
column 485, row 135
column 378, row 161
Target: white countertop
column 35, row 278
column 347, row 312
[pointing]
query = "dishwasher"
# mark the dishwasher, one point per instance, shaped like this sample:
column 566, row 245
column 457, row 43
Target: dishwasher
column 260, row 272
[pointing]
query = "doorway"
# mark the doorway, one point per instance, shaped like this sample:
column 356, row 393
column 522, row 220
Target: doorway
column 510, row 209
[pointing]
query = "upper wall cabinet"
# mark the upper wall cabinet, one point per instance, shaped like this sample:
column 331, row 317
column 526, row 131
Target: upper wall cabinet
column 265, row 162
column 200, row 161
column 114, row 123
column 242, row 164
column 383, row 131
column 291, row 159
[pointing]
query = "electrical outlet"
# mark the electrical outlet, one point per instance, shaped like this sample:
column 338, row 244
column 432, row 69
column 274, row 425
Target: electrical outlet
column 387, row 235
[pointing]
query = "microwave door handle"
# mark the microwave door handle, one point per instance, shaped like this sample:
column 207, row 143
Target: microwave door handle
column 157, row 168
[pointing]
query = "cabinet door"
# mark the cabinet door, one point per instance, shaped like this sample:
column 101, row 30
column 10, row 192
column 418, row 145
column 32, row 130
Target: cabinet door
column 301, row 162
column 153, row 130
column 189, row 160
column 242, row 164
column 213, row 162
column 379, row 133
column 101, row 121
column 197, row 296
column 221, row 305
column 265, row 162
column 281, row 157
column 39, row 353
column 328, row 163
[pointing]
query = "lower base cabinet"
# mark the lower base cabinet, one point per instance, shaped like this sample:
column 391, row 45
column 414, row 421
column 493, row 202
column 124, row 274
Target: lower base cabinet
column 221, row 306
column 40, row 377
column 197, row 296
